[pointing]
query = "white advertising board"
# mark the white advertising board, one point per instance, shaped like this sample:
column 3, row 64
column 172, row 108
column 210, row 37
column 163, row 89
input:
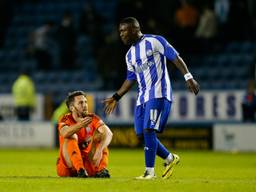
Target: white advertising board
column 234, row 137
column 26, row 134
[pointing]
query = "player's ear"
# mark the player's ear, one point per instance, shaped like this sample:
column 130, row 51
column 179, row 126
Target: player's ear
column 71, row 108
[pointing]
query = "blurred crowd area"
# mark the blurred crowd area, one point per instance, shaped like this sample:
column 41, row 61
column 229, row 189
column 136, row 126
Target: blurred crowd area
column 67, row 45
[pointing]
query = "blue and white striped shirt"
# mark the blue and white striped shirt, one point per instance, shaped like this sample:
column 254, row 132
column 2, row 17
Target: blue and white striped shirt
column 146, row 63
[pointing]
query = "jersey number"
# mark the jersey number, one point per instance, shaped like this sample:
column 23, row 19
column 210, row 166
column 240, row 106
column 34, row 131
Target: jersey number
column 153, row 115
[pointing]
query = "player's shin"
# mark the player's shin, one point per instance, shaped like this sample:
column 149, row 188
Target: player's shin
column 162, row 151
column 150, row 150
column 75, row 154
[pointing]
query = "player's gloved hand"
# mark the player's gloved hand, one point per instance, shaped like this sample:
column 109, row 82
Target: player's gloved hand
column 193, row 86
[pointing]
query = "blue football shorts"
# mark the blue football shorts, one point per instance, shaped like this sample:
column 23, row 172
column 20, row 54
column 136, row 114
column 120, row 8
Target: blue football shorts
column 152, row 115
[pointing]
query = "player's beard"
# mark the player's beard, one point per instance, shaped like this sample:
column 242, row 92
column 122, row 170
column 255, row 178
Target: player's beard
column 81, row 114
column 84, row 114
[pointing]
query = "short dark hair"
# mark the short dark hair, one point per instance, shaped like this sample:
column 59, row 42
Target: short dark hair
column 131, row 21
column 71, row 97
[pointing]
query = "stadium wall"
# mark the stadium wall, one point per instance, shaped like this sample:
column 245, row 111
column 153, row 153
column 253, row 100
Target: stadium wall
column 194, row 123
column 175, row 136
column 7, row 107
column 234, row 137
column 26, row 134
column 208, row 106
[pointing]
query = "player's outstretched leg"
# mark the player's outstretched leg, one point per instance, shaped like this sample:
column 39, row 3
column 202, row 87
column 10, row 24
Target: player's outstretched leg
column 169, row 167
column 150, row 154
column 170, row 160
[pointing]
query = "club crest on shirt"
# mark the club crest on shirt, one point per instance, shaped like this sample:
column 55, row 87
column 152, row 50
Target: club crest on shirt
column 149, row 53
column 88, row 129
column 150, row 63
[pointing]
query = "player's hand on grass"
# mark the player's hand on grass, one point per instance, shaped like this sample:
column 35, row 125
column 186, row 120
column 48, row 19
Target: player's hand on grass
column 110, row 104
column 193, row 86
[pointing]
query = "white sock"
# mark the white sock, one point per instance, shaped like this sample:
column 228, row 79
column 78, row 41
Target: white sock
column 169, row 158
column 150, row 170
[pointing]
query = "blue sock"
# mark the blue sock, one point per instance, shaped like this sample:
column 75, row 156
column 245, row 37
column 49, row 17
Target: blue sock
column 161, row 150
column 150, row 147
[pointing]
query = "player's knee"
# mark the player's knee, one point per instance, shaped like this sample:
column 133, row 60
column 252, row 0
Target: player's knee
column 74, row 136
column 68, row 142
column 97, row 137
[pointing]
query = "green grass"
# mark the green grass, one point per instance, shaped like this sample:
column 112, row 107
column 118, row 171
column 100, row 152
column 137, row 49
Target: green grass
column 34, row 170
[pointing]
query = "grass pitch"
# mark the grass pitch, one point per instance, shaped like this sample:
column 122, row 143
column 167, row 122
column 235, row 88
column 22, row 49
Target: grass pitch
column 34, row 170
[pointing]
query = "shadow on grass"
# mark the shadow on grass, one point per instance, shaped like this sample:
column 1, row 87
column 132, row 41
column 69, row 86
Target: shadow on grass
column 29, row 177
column 46, row 177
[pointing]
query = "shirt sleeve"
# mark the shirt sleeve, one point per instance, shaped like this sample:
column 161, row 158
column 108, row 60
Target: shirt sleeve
column 97, row 122
column 165, row 48
column 130, row 75
column 64, row 121
column 130, row 69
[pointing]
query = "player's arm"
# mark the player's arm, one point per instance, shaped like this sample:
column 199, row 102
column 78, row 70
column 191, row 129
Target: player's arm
column 67, row 131
column 126, row 86
column 104, row 135
column 110, row 103
column 164, row 47
column 192, row 84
